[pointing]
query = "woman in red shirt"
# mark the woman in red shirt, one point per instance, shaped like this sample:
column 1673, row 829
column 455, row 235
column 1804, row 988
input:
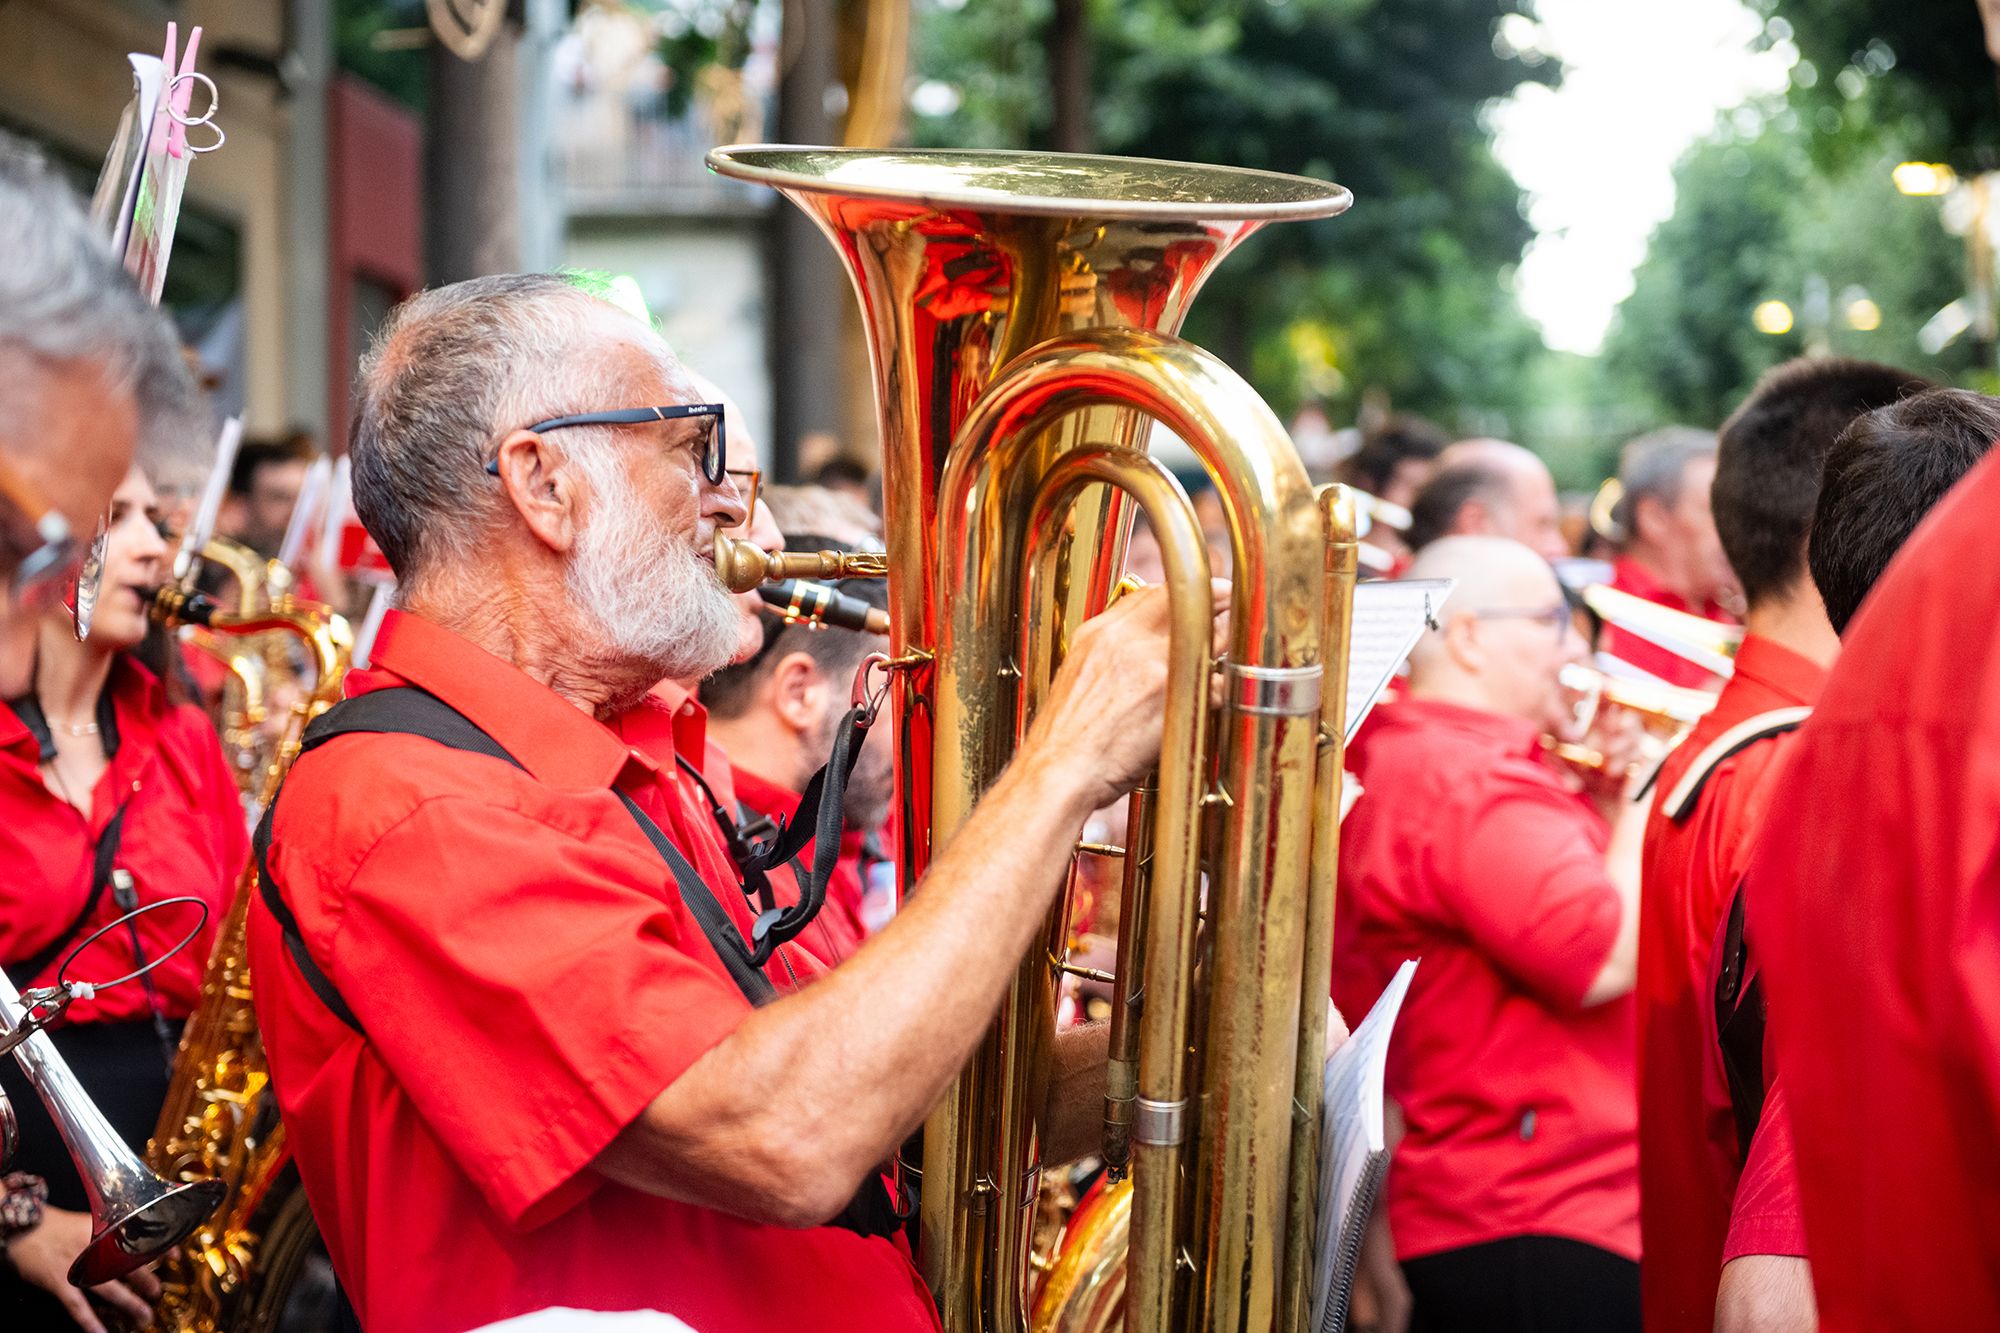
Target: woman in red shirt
column 113, row 793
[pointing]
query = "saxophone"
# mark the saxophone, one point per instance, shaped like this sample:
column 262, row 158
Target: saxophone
column 220, row 1120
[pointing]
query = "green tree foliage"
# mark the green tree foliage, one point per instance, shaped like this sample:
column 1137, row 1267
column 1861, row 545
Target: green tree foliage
column 1410, row 292
column 1920, row 64
column 1756, row 218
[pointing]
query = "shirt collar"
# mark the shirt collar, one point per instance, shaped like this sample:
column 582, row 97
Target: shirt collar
column 1628, row 575
column 557, row 742
column 668, row 723
column 1785, row 672
column 131, row 698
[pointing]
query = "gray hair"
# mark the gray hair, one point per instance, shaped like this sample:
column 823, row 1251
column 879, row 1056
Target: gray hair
column 177, row 427
column 453, row 370
column 63, row 297
column 1652, row 467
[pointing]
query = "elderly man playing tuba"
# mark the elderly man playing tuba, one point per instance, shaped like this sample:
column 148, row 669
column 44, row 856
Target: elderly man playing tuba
column 515, row 1067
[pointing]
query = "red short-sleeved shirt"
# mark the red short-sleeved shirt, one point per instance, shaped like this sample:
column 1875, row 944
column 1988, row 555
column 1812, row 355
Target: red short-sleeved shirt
column 1468, row 851
column 837, row 931
column 529, row 981
column 1764, row 1217
column 1688, row 1155
column 184, row 835
column 1628, row 575
column 1875, row 908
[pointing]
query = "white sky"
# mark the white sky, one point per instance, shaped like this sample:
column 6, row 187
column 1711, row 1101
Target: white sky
column 1643, row 79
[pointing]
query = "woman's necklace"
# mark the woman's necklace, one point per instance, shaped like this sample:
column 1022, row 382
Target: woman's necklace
column 54, row 769
column 78, row 728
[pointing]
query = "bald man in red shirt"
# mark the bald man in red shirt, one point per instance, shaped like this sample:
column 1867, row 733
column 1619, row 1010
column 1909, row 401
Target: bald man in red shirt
column 1513, row 1196
column 1871, row 902
column 1708, row 806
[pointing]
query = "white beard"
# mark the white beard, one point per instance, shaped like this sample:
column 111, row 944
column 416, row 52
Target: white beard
column 650, row 595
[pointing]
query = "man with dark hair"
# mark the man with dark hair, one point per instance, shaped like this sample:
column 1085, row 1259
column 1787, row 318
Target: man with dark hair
column 264, row 488
column 1396, row 458
column 776, row 716
column 1712, row 792
column 1489, row 488
column 1882, row 477
column 1669, row 553
column 1870, row 902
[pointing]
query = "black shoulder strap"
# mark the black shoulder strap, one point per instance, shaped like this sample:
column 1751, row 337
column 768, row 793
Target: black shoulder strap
column 707, row 911
column 102, row 864
column 1739, row 1026
column 414, row 712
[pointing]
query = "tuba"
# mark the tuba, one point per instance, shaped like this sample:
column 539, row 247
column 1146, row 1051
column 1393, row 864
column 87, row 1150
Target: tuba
column 1021, row 311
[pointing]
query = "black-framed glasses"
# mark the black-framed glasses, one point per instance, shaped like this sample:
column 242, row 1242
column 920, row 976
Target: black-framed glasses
column 1557, row 618
column 47, row 551
column 714, row 448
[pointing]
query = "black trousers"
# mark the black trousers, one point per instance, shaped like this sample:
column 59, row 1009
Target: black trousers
column 1524, row 1284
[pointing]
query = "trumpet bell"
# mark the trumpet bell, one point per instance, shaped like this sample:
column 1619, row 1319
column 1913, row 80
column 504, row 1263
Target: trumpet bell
column 152, row 1218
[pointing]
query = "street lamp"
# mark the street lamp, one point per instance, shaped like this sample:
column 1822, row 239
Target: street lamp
column 1815, row 313
column 1772, row 317
column 1924, row 178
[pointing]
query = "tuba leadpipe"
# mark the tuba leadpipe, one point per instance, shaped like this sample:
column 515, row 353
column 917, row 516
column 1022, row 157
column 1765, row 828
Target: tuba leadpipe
column 742, row 566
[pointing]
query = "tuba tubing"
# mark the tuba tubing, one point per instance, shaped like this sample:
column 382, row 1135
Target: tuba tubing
column 1165, row 891
column 1238, row 1147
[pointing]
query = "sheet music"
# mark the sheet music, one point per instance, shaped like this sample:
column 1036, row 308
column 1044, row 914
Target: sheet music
column 1388, row 617
column 1353, row 1152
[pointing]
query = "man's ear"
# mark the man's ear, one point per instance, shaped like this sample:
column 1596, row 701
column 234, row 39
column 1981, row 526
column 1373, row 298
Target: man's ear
column 799, row 692
column 1652, row 521
column 1461, row 642
column 543, row 488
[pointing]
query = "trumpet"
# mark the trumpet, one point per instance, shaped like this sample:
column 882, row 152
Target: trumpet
column 1667, row 712
column 1707, row 643
column 135, row 1216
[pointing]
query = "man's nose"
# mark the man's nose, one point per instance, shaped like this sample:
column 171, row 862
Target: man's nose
column 726, row 503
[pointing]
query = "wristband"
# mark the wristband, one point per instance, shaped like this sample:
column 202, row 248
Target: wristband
column 21, row 1204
